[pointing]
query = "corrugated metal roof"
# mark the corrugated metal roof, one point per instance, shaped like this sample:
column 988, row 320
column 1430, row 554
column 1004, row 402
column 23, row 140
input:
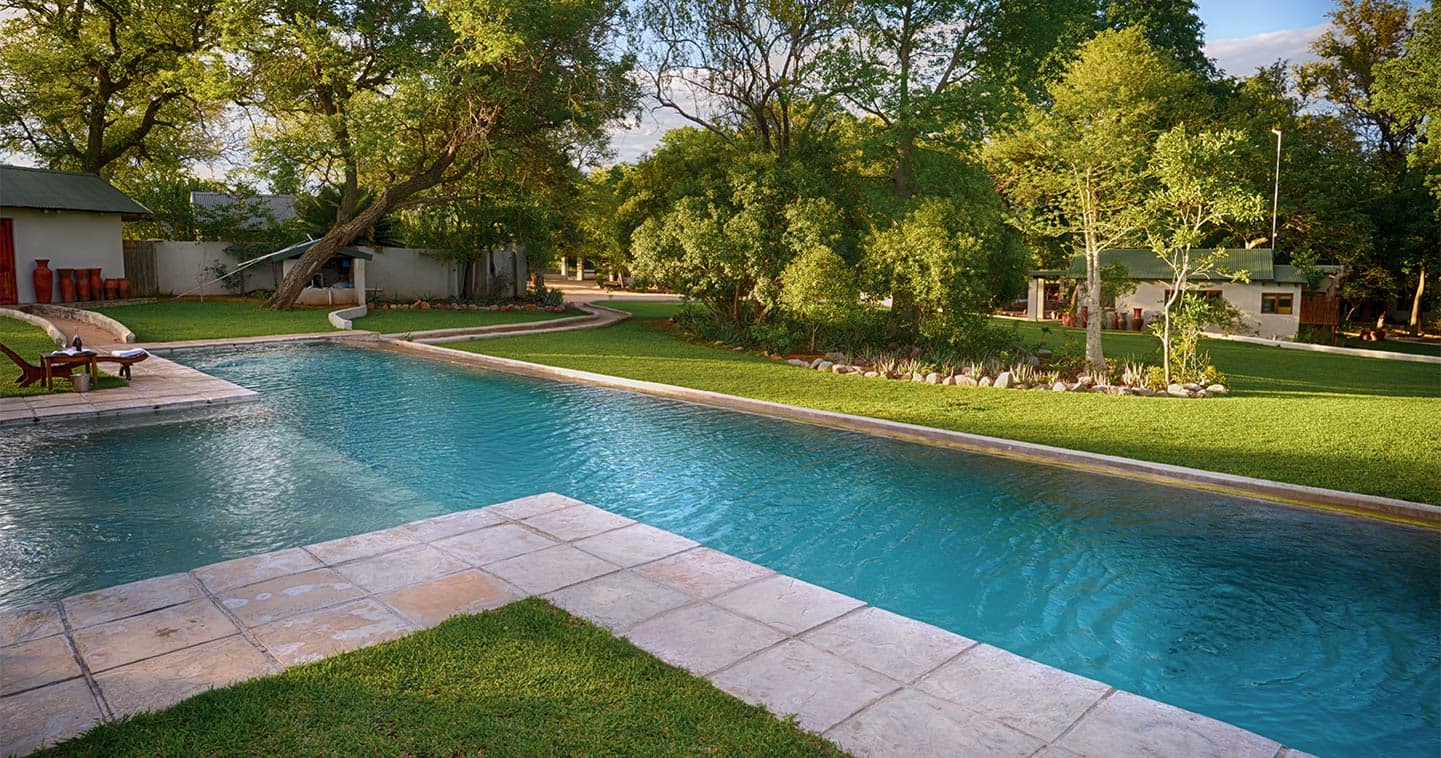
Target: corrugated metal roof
column 1144, row 264
column 299, row 248
column 42, row 189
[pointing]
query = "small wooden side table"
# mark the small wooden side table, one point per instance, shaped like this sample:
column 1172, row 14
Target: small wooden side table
column 51, row 361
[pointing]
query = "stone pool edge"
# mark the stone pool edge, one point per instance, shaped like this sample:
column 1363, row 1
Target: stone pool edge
column 1284, row 493
column 893, row 685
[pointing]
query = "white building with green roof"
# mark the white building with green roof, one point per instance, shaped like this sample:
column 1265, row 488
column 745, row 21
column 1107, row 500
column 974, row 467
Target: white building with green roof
column 1269, row 299
column 69, row 220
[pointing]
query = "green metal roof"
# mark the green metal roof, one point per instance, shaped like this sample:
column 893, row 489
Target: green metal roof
column 1144, row 264
column 299, row 248
column 42, row 189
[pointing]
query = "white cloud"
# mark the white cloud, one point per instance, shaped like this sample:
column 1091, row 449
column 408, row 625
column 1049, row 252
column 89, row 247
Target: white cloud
column 1241, row 57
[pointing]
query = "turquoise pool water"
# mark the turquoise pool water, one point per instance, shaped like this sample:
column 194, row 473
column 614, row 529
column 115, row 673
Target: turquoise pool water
column 1317, row 630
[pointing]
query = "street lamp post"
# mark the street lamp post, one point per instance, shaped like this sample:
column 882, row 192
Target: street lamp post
column 1276, row 192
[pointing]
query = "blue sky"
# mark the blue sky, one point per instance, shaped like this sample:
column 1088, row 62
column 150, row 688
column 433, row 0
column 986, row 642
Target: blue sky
column 1233, row 19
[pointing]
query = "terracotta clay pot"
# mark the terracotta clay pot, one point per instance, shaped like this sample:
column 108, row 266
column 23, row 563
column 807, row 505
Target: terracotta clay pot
column 44, row 280
column 97, row 287
column 67, row 285
column 1136, row 319
column 124, row 288
column 82, row 285
column 112, row 289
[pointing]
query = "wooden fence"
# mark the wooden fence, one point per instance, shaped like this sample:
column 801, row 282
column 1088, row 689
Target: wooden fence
column 140, row 267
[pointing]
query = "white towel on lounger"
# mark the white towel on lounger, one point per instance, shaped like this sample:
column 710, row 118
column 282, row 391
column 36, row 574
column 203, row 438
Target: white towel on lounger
column 131, row 353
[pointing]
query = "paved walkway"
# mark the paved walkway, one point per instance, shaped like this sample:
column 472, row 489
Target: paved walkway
column 588, row 291
column 874, row 682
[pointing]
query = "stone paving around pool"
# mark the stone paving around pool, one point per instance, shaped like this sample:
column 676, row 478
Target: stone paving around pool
column 157, row 385
column 873, row 682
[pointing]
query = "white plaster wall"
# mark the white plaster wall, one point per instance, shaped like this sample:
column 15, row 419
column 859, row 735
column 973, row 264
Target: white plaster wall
column 185, row 266
column 69, row 239
column 1151, row 298
column 406, row 273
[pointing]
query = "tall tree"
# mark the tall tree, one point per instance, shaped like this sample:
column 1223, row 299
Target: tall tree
column 1200, row 189
column 1171, row 25
column 84, row 85
column 405, row 99
column 942, row 67
column 1368, row 36
column 741, row 70
column 1408, row 88
column 1080, row 167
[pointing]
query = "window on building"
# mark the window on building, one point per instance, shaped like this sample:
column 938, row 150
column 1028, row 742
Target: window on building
column 1276, row 302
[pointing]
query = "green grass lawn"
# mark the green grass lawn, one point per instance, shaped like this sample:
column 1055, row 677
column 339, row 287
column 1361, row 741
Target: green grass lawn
column 1359, row 424
column 527, row 679
column 30, row 341
column 168, row 321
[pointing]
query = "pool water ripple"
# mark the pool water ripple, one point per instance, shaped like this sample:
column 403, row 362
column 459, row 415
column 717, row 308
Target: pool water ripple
column 1314, row 629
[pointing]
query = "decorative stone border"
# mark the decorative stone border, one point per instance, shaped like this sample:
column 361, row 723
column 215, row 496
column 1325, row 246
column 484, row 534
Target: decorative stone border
column 1351, row 351
column 873, row 682
column 121, row 332
column 1390, row 509
column 30, row 318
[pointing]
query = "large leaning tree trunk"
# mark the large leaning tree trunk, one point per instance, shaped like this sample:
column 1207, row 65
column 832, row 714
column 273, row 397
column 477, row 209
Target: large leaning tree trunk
column 346, row 232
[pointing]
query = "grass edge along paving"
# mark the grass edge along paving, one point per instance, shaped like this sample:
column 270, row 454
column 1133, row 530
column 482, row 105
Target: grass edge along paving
column 169, row 321
column 525, row 679
column 1364, row 425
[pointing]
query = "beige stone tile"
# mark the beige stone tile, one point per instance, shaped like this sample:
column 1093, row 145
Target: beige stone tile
column 43, row 717
column 361, row 546
column 908, row 722
column 219, row 577
column 534, row 505
column 493, row 544
column 158, row 683
column 1127, row 724
column 788, row 604
column 451, row 524
column 319, row 634
column 550, row 569
column 30, row 664
column 391, row 571
column 277, row 598
column 1023, row 694
column 635, row 544
column 131, row 639
column 432, row 602
column 577, row 522
column 130, row 599
column 30, row 622
column 795, row 678
column 702, row 638
column 899, row 647
column 618, row 600
column 703, row 572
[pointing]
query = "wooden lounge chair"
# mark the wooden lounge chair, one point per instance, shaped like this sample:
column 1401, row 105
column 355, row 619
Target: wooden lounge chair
column 124, row 361
column 29, row 372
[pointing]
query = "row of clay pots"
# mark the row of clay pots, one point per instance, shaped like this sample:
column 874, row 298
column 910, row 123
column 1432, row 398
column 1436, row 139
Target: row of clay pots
column 76, row 284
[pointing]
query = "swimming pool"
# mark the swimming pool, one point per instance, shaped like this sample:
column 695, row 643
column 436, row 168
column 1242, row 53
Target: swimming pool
column 1317, row 630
